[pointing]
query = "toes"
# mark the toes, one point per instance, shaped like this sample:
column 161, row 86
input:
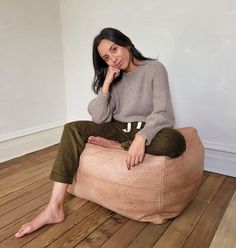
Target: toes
column 94, row 139
column 19, row 234
column 25, row 229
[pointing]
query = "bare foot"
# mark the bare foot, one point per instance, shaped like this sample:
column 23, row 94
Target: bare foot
column 104, row 142
column 50, row 215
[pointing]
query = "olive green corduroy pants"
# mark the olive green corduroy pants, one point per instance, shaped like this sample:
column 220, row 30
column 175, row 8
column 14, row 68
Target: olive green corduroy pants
column 169, row 142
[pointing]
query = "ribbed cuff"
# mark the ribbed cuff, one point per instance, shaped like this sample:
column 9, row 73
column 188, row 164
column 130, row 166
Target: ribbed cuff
column 100, row 93
column 149, row 133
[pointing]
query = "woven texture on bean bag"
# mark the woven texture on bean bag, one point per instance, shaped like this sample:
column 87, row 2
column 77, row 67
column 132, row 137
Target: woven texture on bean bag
column 156, row 190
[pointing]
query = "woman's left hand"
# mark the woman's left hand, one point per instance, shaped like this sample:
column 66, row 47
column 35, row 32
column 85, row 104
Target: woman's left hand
column 136, row 151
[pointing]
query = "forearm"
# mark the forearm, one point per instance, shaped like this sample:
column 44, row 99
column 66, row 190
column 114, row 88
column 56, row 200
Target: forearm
column 105, row 88
column 140, row 138
column 112, row 73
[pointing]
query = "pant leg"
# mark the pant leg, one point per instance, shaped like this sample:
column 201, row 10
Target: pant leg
column 72, row 144
column 168, row 142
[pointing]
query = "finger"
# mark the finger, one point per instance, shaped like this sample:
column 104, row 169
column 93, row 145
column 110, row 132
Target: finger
column 136, row 161
column 116, row 74
column 128, row 162
column 132, row 161
column 141, row 158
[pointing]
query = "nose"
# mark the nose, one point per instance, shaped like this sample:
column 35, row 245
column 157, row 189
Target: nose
column 113, row 58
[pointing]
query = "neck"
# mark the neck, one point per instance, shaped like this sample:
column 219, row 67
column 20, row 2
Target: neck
column 132, row 65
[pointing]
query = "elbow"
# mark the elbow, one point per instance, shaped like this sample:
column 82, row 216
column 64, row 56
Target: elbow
column 97, row 120
column 101, row 119
column 95, row 117
column 98, row 115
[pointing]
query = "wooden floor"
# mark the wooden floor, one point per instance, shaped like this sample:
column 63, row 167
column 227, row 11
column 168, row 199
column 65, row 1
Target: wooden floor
column 25, row 190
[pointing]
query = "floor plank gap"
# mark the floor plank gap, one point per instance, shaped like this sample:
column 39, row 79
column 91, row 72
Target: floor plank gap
column 25, row 189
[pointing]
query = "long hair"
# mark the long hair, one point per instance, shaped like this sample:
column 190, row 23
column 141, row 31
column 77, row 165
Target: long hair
column 100, row 66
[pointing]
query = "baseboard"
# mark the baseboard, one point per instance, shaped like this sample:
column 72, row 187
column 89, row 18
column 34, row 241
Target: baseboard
column 220, row 162
column 229, row 148
column 20, row 146
column 29, row 131
column 215, row 161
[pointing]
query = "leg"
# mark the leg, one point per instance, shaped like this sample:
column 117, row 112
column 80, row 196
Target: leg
column 53, row 213
column 71, row 146
column 168, row 142
column 72, row 143
column 74, row 137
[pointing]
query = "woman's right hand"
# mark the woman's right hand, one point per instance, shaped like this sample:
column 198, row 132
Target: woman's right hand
column 112, row 73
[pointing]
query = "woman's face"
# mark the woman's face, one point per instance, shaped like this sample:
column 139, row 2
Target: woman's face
column 115, row 55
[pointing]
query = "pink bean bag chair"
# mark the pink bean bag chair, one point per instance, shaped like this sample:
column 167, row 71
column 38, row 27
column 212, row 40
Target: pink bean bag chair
column 154, row 191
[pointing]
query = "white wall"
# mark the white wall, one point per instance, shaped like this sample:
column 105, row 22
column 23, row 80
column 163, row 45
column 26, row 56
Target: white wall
column 194, row 39
column 32, row 87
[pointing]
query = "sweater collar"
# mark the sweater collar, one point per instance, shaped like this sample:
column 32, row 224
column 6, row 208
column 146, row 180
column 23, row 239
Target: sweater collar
column 128, row 74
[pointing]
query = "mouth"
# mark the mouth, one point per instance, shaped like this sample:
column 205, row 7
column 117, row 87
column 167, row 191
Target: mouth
column 119, row 64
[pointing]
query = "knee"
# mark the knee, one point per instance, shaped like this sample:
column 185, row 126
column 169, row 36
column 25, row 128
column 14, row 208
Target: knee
column 177, row 143
column 75, row 125
column 172, row 143
column 78, row 128
column 68, row 127
column 72, row 127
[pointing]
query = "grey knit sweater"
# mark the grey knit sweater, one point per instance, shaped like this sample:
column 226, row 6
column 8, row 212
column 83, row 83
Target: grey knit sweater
column 141, row 95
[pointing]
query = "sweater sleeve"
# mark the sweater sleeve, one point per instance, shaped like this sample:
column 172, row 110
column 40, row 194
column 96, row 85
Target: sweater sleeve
column 162, row 115
column 101, row 108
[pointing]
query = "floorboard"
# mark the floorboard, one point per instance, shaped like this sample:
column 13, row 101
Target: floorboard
column 208, row 221
column 204, row 231
column 226, row 235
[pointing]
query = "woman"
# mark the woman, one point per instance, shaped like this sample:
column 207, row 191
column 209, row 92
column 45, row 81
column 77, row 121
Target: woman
column 132, row 111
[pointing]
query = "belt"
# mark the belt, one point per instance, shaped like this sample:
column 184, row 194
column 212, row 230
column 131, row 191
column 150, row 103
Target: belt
column 128, row 128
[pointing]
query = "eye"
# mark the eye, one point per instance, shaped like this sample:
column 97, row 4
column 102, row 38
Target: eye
column 114, row 49
column 106, row 59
